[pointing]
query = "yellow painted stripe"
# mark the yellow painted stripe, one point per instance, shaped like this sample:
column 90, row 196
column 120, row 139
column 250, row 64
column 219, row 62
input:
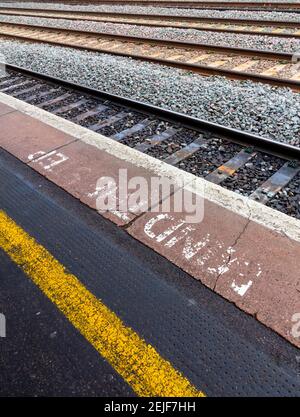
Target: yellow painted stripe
column 136, row 361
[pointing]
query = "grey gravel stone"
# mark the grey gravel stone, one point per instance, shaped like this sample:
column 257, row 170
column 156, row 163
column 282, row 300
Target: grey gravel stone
column 253, row 174
column 230, row 14
column 261, row 109
column 288, row 199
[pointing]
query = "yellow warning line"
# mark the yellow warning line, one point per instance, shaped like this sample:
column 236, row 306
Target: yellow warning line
column 136, row 361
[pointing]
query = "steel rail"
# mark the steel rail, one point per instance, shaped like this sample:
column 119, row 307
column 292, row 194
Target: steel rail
column 234, row 135
column 163, row 42
column 108, row 18
column 200, row 69
column 199, row 4
column 164, row 16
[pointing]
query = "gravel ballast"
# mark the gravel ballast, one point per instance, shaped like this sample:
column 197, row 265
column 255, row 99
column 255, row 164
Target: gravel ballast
column 260, row 109
column 230, row 14
column 287, row 200
column 189, row 35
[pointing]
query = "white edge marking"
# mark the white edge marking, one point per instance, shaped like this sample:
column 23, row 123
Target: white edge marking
column 250, row 209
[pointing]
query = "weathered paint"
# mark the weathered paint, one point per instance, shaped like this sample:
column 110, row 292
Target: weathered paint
column 133, row 358
column 216, row 258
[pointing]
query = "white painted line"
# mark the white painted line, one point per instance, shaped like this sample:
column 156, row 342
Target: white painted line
column 250, row 209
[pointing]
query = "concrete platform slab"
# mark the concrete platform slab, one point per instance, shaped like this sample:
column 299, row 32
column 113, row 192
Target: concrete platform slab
column 222, row 350
column 246, row 252
column 201, row 249
column 4, row 109
column 246, row 263
column 272, row 292
column 27, row 138
column 94, row 176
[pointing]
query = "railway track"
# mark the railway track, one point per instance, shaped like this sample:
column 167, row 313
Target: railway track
column 266, row 28
column 195, row 4
column 263, row 169
column 274, row 68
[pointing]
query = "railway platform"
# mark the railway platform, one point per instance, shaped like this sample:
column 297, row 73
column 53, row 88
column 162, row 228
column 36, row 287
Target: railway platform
column 149, row 202
column 244, row 251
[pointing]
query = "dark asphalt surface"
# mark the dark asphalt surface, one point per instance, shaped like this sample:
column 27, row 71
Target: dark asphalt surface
column 219, row 349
